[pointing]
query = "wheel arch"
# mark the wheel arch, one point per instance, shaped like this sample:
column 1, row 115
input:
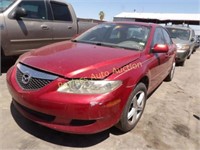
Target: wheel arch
column 145, row 80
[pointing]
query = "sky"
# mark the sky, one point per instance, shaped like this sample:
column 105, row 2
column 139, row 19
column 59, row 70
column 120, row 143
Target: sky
column 111, row 8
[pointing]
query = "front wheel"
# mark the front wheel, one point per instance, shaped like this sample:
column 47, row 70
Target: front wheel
column 182, row 63
column 133, row 109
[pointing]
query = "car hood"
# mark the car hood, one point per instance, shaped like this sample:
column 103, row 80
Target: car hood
column 78, row 60
column 179, row 41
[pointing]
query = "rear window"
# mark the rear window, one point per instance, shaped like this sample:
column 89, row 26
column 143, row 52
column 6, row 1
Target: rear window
column 182, row 34
column 61, row 12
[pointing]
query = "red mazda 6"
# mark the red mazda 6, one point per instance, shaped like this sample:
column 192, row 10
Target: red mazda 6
column 100, row 79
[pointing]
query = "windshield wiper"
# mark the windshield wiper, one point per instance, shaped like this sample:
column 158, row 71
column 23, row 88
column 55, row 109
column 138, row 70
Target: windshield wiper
column 74, row 41
column 103, row 44
column 87, row 42
column 128, row 48
column 77, row 41
column 116, row 46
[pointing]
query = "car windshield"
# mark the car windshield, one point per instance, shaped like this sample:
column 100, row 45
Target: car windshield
column 4, row 4
column 179, row 34
column 124, row 36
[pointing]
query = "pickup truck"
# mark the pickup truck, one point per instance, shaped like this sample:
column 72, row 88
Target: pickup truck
column 30, row 24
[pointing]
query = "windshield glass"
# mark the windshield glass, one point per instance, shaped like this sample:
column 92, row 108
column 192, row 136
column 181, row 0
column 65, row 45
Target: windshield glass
column 125, row 36
column 4, row 4
column 179, row 34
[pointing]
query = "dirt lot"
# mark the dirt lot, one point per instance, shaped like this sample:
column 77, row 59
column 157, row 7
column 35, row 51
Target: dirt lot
column 170, row 120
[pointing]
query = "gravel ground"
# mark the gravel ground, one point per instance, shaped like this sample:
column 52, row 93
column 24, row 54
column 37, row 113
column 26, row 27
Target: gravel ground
column 170, row 120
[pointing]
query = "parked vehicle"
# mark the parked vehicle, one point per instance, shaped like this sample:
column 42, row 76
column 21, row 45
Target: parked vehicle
column 30, row 24
column 197, row 41
column 100, row 79
column 184, row 37
column 198, row 38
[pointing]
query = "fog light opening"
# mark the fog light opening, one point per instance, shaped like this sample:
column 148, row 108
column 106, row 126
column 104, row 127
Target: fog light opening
column 75, row 122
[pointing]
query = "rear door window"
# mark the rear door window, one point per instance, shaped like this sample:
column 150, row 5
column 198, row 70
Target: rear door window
column 61, row 12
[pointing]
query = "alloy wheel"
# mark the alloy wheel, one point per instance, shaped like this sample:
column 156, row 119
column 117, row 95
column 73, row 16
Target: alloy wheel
column 136, row 107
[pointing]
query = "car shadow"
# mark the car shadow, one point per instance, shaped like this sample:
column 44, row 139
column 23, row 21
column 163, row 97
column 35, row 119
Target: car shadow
column 60, row 138
column 6, row 63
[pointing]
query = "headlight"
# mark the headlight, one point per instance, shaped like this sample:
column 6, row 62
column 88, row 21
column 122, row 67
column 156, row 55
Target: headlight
column 183, row 47
column 89, row 86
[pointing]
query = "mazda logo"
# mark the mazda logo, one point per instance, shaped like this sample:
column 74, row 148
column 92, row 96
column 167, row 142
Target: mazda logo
column 26, row 78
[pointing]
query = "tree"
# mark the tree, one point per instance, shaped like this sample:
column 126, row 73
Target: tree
column 101, row 15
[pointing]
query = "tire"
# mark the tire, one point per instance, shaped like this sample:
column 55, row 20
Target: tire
column 136, row 101
column 182, row 63
column 194, row 50
column 171, row 73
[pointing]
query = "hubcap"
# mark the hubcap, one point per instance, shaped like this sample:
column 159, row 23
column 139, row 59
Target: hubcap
column 136, row 107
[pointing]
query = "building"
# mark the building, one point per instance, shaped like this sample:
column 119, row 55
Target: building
column 162, row 18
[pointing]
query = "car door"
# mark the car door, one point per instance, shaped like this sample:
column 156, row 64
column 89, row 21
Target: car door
column 192, row 40
column 158, row 62
column 170, row 56
column 29, row 32
column 64, row 23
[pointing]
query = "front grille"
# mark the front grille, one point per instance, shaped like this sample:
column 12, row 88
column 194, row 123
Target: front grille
column 39, row 115
column 33, row 84
column 34, row 79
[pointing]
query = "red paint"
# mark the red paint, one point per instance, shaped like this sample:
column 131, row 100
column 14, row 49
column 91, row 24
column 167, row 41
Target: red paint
column 76, row 60
column 161, row 48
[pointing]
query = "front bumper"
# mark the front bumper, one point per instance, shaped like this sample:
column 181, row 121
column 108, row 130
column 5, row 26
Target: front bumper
column 182, row 55
column 72, row 113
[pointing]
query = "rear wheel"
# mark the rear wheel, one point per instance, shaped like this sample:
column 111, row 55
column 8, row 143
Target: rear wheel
column 134, row 108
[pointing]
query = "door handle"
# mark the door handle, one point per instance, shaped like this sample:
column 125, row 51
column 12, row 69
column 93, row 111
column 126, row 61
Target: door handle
column 69, row 27
column 44, row 27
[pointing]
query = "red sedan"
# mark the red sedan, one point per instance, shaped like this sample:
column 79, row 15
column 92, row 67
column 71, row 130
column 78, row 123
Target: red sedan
column 100, row 79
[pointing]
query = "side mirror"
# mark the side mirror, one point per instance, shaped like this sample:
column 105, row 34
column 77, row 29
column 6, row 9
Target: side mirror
column 160, row 48
column 192, row 39
column 19, row 12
